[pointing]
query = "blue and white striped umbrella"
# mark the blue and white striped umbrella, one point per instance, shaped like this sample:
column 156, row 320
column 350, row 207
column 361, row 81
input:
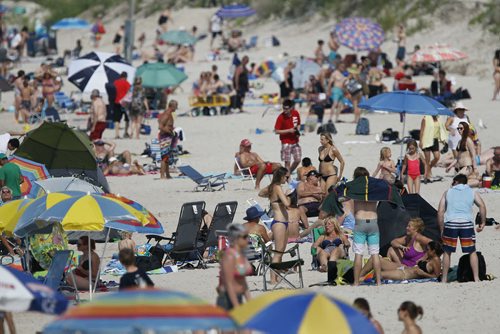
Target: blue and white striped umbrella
column 235, row 11
column 71, row 23
column 20, row 292
column 95, row 69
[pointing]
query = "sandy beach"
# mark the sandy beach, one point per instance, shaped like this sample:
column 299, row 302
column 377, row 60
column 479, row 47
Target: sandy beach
column 212, row 142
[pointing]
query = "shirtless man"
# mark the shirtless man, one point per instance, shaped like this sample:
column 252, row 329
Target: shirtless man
column 401, row 40
column 493, row 168
column 252, row 160
column 365, row 231
column 336, row 87
column 319, row 55
column 18, row 86
column 26, row 96
column 334, row 45
column 98, row 115
column 324, row 77
column 166, row 137
column 310, row 195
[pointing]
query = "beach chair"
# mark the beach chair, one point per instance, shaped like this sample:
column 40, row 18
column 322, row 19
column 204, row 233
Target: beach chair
column 265, row 219
column 223, row 216
column 55, row 275
column 291, row 266
column 252, row 43
column 246, row 174
column 204, row 183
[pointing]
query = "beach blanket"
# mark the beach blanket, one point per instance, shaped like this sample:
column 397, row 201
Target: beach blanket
column 115, row 268
column 366, row 188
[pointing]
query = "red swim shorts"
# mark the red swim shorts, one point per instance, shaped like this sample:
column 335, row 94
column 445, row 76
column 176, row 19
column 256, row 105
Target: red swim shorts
column 268, row 170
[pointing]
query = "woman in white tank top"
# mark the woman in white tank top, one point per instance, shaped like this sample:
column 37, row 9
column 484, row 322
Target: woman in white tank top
column 452, row 124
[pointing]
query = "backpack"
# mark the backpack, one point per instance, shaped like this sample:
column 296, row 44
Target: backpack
column 390, row 135
column 154, row 261
column 363, row 127
column 328, row 127
column 464, row 272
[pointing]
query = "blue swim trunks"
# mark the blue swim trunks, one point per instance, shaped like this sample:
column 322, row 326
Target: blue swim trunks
column 337, row 94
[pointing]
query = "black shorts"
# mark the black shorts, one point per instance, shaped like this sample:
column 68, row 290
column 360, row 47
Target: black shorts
column 118, row 113
column 312, row 208
column 215, row 33
column 433, row 148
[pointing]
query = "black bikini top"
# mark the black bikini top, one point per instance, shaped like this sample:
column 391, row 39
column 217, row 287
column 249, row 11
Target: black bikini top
column 327, row 158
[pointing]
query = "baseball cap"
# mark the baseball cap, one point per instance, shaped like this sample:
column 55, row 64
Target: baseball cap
column 2, row 156
column 245, row 142
column 313, row 173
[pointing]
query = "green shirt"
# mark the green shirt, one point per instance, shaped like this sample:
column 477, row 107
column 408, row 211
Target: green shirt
column 10, row 174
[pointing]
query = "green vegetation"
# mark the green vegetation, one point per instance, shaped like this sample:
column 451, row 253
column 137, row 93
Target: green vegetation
column 60, row 9
column 489, row 16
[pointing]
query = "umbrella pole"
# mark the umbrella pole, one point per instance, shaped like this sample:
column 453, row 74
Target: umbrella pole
column 102, row 257
column 90, row 268
column 402, row 135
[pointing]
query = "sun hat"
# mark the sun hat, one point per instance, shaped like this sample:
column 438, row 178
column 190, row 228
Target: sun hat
column 460, row 105
column 313, row 173
column 2, row 156
column 253, row 213
column 246, row 143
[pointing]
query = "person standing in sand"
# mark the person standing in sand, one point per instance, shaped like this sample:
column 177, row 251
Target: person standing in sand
column 401, row 40
column 287, row 127
column 455, row 221
column 166, row 137
column 496, row 74
column 240, row 82
column 98, row 115
column 336, row 86
column 27, row 93
column 407, row 313
column 18, row 85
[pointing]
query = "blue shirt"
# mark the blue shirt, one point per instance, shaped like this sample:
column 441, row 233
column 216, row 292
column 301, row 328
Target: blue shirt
column 459, row 202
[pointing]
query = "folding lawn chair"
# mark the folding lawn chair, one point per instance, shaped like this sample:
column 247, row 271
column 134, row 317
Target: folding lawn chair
column 246, row 173
column 282, row 269
column 55, row 275
column 223, row 216
column 204, row 183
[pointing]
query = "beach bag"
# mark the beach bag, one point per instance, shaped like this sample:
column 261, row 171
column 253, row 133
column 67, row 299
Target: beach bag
column 489, row 221
column 390, row 135
column 275, row 41
column 154, row 261
column 354, row 87
column 363, row 127
column 464, row 272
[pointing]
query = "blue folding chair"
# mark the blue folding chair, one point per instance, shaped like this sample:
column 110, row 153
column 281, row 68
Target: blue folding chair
column 204, row 183
column 55, row 274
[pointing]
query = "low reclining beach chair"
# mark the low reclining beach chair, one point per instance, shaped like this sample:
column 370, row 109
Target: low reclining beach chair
column 223, row 216
column 55, row 275
column 204, row 183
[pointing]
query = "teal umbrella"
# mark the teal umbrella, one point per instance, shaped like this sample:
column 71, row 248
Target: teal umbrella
column 160, row 75
column 178, row 37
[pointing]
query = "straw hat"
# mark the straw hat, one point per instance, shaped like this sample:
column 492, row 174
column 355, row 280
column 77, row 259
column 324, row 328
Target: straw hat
column 460, row 105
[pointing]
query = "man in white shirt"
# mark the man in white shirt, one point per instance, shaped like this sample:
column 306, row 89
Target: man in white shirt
column 215, row 28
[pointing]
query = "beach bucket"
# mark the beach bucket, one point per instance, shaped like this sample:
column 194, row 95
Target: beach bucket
column 265, row 98
column 487, row 181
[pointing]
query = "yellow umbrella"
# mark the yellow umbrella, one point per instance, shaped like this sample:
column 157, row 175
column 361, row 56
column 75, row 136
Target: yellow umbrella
column 10, row 213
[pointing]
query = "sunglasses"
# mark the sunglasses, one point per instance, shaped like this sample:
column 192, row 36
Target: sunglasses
column 5, row 192
column 460, row 128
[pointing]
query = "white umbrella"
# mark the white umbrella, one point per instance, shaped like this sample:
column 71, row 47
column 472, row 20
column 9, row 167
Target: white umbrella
column 95, row 69
column 58, row 184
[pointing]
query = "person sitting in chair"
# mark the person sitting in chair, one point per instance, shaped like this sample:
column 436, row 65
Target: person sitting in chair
column 80, row 275
column 252, row 160
column 310, row 195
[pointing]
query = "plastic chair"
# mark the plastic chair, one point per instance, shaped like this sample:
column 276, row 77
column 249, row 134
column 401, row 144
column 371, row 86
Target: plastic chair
column 204, row 183
column 246, row 173
column 223, row 216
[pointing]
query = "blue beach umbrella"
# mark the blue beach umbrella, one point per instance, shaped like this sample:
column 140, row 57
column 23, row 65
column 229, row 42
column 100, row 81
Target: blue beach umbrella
column 406, row 102
column 20, row 292
column 70, row 23
column 235, row 11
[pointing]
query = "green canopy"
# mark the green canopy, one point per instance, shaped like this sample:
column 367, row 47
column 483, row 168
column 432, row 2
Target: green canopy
column 58, row 146
column 160, row 75
column 178, row 37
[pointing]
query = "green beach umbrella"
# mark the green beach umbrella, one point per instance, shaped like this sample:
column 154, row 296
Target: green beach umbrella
column 160, row 75
column 178, row 37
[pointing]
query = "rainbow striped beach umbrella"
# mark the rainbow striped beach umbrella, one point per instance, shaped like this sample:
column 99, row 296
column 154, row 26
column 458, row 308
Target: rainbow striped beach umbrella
column 142, row 311
column 299, row 311
column 359, row 34
column 31, row 171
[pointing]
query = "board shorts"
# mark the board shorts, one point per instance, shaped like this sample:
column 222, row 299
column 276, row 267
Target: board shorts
column 289, row 150
column 166, row 141
column 366, row 232
column 268, row 170
column 459, row 230
column 337, row 94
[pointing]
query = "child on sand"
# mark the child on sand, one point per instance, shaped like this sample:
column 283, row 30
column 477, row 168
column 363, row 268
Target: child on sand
column 412, row 161
column 407, row 313
column 386, row 168
column 126, row 242
column 135, row 277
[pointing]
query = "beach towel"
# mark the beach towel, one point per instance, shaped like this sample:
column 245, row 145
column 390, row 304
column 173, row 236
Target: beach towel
column 366, row 188
column 115, row 268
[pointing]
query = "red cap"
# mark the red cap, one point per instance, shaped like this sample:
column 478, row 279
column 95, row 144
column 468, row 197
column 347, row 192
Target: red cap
column 245, row 142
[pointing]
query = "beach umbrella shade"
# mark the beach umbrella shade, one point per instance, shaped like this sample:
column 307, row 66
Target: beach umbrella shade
column 235, row 11
column 95, row 69
column 359, row 34
column 57, row 184
column 366, row 188
column 142, row 311
column 31, row 171
column 71, row 23
column 406, row 102
column 9, row 214
column 299, row 311
column 265, row 69
column 160, row 75
column 65, row 151
column 178, row 37
column 303, row 69
column 152, row 226
column 20, row 292
column 437, row 53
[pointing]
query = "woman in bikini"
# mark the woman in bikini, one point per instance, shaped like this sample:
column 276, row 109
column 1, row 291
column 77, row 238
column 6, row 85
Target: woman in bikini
column 49, row 87
column 329, row 248
column 412, row 161
column 405, row 251
column 496, row 74
column 328, row 152
column 466, row 162
column 279, row 204
column 234, row 267
column 428, row 267
column 408, row 313
column 82, row 272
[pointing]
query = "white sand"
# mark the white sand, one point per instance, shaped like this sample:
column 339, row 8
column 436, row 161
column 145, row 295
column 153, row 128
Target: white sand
column 212, row 141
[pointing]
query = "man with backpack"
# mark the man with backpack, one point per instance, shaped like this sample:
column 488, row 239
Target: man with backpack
column 456, row 222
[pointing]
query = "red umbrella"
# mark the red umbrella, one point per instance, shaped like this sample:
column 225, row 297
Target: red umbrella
column 437, row 53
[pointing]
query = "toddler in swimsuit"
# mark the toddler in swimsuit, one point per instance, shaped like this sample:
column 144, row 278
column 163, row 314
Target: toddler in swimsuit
column 412, row 161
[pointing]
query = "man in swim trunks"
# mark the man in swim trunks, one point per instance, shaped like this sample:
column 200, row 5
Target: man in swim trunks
column 166, row 137
column 98, row 115
column 309, row 195
column 252, row 160
column 26, row 95
column 456, row 222
column 336, row 86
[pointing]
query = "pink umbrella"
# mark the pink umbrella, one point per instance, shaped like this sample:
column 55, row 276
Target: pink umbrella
column 437, row 53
